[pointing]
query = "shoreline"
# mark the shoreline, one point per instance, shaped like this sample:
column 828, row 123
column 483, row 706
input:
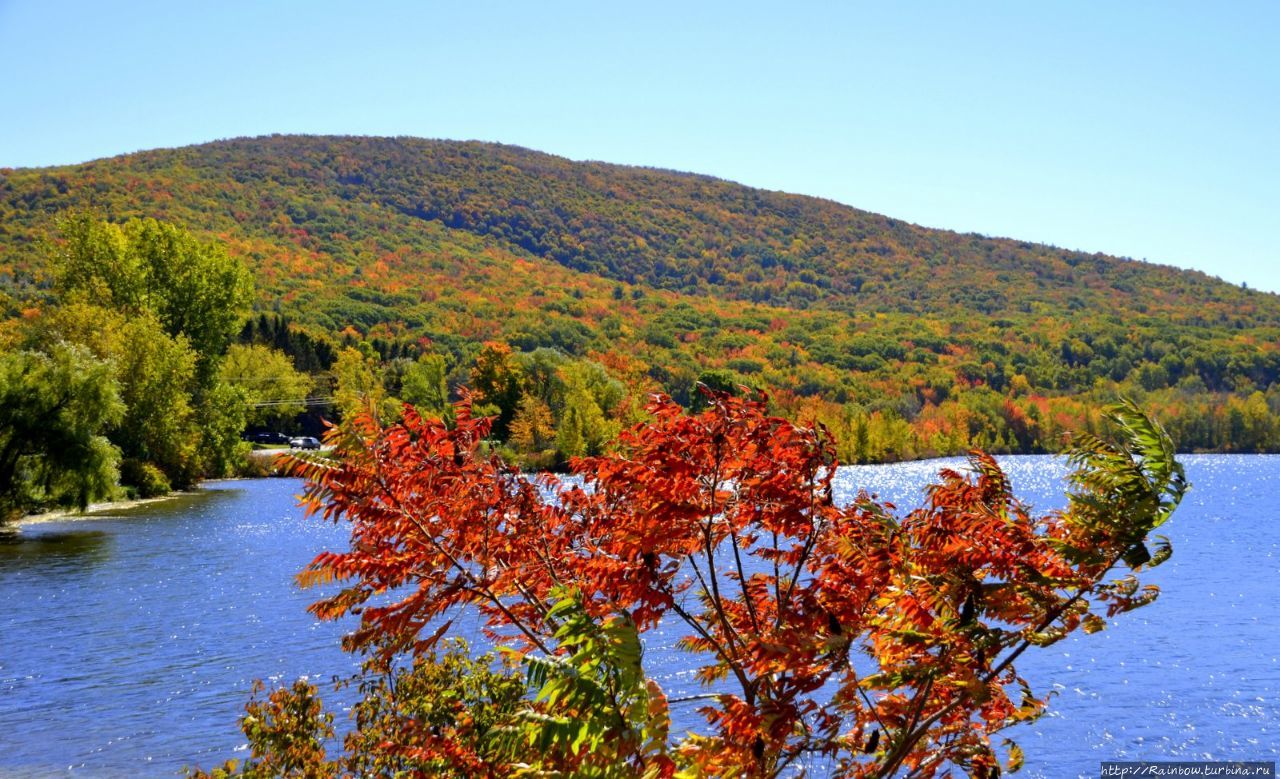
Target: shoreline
column 104, row 509
column 92, row 511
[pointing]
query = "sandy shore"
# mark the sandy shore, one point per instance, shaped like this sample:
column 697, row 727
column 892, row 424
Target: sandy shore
column 92, row 511
column 107, row 508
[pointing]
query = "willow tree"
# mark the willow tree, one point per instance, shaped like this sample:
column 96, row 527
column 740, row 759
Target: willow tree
column 54, row 407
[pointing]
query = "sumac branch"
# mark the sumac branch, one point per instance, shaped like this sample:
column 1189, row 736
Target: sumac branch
column 851, row 637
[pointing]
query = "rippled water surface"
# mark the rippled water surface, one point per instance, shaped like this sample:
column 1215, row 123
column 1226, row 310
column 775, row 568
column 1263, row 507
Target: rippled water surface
column 128, row 644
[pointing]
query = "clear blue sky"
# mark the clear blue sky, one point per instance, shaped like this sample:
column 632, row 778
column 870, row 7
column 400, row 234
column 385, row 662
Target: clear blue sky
column 1149, row 130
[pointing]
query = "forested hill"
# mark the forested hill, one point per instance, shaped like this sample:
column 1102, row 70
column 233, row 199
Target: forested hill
column 669, row 230
column 910, row 340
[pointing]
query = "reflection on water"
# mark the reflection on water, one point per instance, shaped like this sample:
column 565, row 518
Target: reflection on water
column 46, row 547
column 40, row 552
column 128, row 643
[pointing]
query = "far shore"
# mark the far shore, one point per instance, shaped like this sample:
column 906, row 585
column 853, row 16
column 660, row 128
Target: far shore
column 92, row 511
column 107, row 508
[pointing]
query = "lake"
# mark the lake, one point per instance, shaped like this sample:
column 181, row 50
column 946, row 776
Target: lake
column 129, row 642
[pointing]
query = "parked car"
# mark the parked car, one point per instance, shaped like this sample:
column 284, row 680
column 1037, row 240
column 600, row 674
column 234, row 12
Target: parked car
column 304, row 442
column 267, row 438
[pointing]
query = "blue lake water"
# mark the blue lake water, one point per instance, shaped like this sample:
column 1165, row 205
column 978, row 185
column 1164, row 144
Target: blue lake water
column 128, row 643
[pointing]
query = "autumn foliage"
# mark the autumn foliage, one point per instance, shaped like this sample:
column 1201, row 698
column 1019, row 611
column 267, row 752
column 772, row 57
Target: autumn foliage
column 906, row 342
column 846, row 637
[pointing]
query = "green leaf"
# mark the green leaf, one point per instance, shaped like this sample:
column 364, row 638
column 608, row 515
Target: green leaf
column 1016, row 757
column 1163, row 551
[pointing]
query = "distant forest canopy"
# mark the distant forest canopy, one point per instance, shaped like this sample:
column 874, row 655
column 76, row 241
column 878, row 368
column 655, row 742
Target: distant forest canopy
column 565, row 292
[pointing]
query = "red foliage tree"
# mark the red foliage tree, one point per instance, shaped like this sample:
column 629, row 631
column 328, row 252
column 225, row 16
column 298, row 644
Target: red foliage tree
column 873, row 643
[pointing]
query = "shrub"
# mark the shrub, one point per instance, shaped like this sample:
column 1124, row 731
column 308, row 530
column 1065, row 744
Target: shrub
column 146, row 479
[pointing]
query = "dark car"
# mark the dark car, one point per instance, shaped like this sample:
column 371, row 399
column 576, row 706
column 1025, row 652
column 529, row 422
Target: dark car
column 267, row 438
column 304, row 442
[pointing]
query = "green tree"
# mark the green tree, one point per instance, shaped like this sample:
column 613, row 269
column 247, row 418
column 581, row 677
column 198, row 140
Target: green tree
column 423, row 385
column 1250, row 425
column 717, row 380
column 357, row 386
column 273, row 391
column 54, row 407
column 595, row 713
column 540, row 375
column 193, row 287
column 497, row 377
column 607, row 392
column 570, row 441
column 221, row 418
column 583, row 428
column 161, row 424
column 156, row 378
column 163, row 306
column 96, row 262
